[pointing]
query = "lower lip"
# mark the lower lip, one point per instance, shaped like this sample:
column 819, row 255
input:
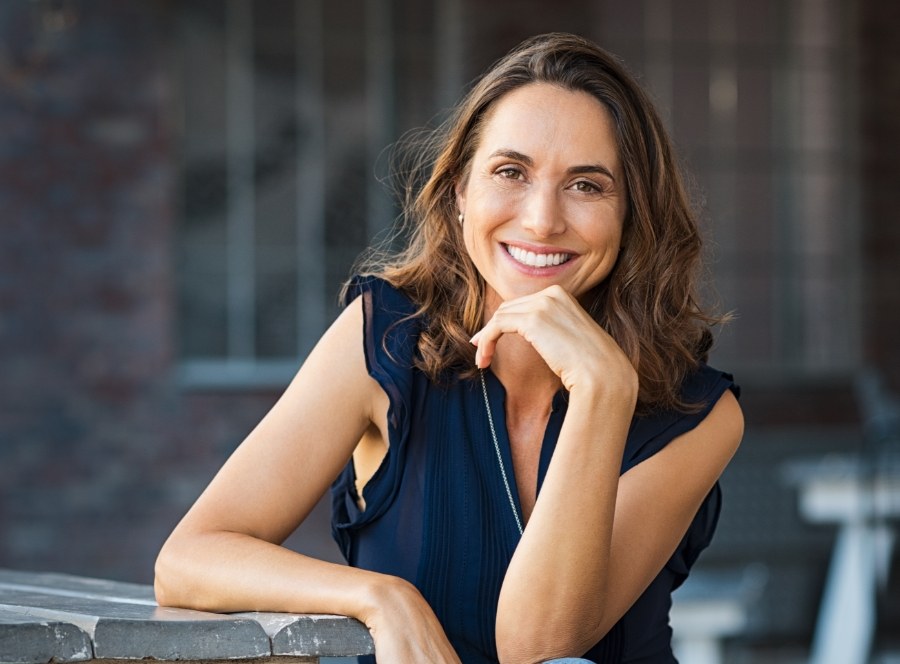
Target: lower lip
column 546, row 271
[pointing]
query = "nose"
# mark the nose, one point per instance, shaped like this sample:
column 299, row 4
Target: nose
column 543, row 214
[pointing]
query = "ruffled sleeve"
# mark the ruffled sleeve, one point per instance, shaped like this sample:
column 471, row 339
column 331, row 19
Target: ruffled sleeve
column 650, row 434
column 390, row 333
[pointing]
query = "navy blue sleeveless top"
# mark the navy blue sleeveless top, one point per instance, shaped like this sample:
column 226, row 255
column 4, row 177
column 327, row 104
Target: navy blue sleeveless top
column 436, row 510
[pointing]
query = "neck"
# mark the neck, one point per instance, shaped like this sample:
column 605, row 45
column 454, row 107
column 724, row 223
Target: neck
column 527, row 379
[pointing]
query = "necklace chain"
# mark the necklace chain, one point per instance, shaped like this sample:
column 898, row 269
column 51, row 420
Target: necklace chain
column 487, row 405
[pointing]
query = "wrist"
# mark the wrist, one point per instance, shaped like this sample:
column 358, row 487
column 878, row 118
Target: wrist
column 380, row 594
column 606, row 392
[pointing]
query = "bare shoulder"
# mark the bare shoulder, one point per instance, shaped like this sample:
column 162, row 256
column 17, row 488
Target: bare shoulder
column 723, row 427
column 694, row 460
column 344, row 336
column 336, row 367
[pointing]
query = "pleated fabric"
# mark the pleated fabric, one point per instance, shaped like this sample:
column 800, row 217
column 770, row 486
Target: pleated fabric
column 437, row 513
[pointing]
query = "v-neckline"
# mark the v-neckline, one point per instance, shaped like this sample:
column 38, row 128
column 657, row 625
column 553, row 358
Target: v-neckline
column 497, row 399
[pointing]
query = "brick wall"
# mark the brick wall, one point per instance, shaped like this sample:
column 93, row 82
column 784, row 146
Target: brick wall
column 880, row 172
column 100, row 451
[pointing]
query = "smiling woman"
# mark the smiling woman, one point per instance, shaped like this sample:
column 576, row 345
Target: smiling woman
column 525, row 460
column 540, row 198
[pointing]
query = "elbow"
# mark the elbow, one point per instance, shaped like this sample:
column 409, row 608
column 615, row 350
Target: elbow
column 187, row 576
column 515, row 646
column 509, row 652
column 172, row 577
column 519, row 654
column 540, row 643
column 163, row 586
column 160, row 593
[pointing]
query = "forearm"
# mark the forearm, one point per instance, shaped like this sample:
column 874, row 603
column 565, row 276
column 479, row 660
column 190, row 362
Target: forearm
column 551, row 602
column 226, row 572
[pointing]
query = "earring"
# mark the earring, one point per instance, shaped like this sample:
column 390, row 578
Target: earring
column 461, row 217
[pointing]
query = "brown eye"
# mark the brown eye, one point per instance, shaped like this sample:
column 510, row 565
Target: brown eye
column 587, row 187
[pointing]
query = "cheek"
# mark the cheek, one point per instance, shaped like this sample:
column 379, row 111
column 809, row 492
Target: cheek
column 475, row 244
column 491, row 203
column 602, row 230
column 484, row 215
column 468, row 246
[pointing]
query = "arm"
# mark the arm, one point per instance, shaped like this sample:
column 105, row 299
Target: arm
column 225, row 555
column 614, row 534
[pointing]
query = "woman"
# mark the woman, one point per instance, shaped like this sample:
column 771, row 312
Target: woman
column 524, row 434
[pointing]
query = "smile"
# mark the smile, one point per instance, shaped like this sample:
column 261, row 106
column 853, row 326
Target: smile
column 532, row 259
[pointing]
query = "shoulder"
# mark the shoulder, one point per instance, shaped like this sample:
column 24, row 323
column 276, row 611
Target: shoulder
column 720, row 419
column 381, row 294
column 725, row 423
column 391, row 320
column 340, row 354
column 706, row 384
column 390, row 327
column 711, row 392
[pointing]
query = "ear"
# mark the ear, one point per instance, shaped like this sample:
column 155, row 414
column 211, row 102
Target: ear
column 460, row 190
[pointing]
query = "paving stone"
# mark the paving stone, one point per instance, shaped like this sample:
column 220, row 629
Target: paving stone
column 322, row 635
column 33, row 640
column 137, row 628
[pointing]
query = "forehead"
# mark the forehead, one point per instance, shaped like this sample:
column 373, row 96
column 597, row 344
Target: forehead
column 541, row 119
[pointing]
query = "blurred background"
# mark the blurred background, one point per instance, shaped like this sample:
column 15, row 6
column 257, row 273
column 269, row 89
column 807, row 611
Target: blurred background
column 185, row 184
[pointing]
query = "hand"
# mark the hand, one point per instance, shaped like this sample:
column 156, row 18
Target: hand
column 405, row 629
column 572, row 344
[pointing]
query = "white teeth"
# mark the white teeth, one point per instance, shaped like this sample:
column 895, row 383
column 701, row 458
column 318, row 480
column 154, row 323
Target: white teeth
column 532, row 259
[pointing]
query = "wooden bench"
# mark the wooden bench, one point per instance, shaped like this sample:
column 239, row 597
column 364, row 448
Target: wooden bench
column 62, row 618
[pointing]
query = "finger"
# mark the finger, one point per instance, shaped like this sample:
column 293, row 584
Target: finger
column 528, row 316
column 485, row 340
column 484, row 353
column 502, row 322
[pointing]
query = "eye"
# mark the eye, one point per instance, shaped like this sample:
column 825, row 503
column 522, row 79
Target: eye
column 509, row 173
column 587, row 187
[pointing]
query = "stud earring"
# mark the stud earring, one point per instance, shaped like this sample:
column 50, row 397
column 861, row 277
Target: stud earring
column 461, row 217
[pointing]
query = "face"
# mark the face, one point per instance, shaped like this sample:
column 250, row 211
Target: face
column 544, row 199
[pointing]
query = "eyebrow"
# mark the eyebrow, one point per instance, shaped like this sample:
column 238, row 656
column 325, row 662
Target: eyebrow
column 574, row 170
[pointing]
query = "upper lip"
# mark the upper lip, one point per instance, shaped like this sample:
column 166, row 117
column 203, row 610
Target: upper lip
column 539, row 249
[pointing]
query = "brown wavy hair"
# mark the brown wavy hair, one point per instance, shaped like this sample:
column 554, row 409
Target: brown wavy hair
column 648, row 303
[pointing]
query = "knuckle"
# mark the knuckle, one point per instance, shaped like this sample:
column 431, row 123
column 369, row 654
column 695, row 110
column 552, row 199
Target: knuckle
column 545, row 304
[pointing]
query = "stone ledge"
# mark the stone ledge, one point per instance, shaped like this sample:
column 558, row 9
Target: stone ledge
column 46, row 616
